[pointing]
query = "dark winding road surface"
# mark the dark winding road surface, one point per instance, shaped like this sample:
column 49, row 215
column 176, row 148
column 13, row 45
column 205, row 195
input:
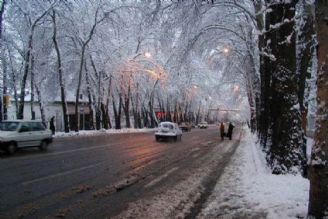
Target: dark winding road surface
column 97, row 176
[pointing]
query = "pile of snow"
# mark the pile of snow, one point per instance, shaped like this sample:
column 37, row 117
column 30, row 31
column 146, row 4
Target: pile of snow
column 247, row 189
column 101, row 132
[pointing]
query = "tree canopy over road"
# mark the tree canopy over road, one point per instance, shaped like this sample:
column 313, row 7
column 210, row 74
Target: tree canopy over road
column 129, row 59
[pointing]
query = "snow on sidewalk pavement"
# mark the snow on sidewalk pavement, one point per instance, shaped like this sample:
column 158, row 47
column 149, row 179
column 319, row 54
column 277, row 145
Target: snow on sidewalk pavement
column 247, row 189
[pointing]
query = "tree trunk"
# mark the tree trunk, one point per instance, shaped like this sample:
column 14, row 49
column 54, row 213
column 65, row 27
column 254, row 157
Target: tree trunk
column 107, row 102
column 27, row 64
column 152, row 120
column 104, row 117
column 280, row 126
column 175, row 113
column 127, row 107
column 97, row 104
column 135, row 108
column 264, row 113
column 14, row 81
column 91, row 103
column 77, row 98
column 32, row 88
column 107, row 116
column 15, row 94
column 3, row 108
column 168, row 116
column 145, row 117
column 84, row 45
column 2, row 9
column 252, row 80
column 60, row 74
column 198, row 116
column 305, row 53
column 117, row 112
column 152, row 115
column 318, row 205
column 98, row 118
column 24, row 78
column 43, row 117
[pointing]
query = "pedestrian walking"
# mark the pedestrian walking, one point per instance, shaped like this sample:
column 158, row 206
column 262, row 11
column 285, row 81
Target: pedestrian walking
column 230, row 129
column 222, row 131
column 52, row 125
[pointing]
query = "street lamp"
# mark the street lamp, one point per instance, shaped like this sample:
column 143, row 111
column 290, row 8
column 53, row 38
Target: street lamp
column 236, row 88
column 147, row 55
column 225, row 50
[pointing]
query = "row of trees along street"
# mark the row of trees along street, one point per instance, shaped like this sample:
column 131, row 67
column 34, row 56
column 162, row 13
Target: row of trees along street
column 182, row 57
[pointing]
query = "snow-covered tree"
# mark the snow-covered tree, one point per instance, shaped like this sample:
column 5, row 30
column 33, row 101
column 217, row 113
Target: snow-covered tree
column 318, row 205
column 280, row 128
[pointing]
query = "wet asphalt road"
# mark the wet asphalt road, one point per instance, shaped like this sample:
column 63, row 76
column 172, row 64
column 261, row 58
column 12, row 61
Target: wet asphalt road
column 95, row 177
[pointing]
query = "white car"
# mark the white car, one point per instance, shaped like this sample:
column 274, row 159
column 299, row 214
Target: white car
column 168, row 130
column 203, row 125
column 20, row 133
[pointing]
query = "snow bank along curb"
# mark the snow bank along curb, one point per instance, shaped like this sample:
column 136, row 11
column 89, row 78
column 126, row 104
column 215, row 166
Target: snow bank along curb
column 247, row 189
column 102, row 132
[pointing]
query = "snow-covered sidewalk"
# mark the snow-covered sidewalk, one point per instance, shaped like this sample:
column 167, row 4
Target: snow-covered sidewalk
column 247, row 189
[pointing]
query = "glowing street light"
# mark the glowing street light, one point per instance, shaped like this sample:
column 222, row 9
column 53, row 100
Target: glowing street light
column 226, row 50
column 236, row 88
column 147, row 54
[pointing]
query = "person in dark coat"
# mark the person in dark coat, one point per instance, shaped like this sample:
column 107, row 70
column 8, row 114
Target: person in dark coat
column 222, row 131
column 230, row 129
column 52, row 125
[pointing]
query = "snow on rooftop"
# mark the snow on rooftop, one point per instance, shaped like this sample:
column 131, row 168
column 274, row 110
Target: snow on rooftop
column 70, row 97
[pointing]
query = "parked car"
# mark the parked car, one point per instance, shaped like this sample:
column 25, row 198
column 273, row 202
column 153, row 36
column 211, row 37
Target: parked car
column 203, row 125
column 20, row 134
column 168, row 130
column 185, row 127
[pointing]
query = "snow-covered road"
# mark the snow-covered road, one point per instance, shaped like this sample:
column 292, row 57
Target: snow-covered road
column 132, row 176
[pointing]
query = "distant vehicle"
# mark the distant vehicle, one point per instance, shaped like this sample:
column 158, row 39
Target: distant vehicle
column 185, row 127
column 168, row 130
column 21, row 133
column 203, row 125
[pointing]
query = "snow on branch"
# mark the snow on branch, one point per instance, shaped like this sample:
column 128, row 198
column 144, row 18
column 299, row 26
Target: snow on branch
column 280, row 24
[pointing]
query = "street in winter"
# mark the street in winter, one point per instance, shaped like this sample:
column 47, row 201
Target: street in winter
column 164, row 109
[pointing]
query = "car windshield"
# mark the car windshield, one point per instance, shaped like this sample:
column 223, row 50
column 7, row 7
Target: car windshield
column 8, row 126
column 167, row 125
